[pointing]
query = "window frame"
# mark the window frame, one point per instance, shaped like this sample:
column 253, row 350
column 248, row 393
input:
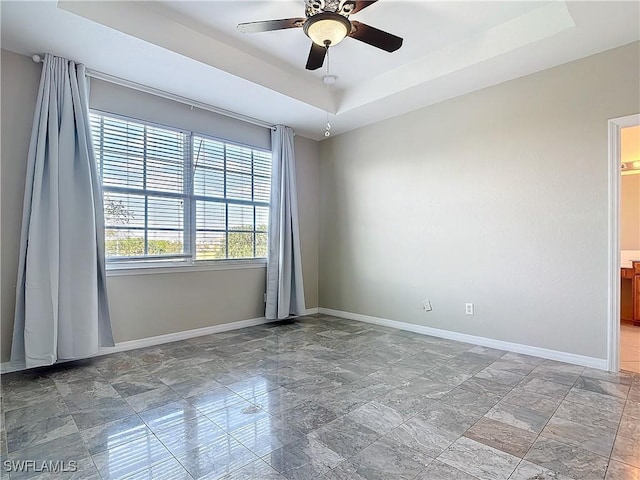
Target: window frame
column 174, row 263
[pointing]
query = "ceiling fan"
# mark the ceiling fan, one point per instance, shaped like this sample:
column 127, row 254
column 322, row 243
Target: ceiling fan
column 327, row 24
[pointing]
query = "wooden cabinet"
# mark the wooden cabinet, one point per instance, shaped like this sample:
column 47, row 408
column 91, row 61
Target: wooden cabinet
column 633, row 274
column 635, row 285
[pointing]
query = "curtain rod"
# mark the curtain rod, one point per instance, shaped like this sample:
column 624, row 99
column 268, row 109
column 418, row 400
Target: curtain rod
column 169, row 96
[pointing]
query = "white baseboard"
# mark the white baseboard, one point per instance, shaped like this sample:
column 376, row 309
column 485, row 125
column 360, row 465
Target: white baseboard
column 599, row 363
column 8, row 367
column 592, row 362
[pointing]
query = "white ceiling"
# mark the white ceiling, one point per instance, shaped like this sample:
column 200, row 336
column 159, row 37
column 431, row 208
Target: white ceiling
column 193, row 49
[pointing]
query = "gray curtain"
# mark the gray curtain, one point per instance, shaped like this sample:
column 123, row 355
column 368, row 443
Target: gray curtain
column 61, row 299
column 285, row 290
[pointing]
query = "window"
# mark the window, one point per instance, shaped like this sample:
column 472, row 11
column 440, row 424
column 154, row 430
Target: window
column 177, row 196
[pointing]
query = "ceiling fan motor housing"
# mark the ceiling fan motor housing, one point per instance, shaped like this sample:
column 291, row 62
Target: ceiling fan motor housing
column 342, row 7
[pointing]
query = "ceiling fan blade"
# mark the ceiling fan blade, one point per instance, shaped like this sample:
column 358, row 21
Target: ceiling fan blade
column 361, row 5
column 374, row 37
column 269, row 25
column 316, row 57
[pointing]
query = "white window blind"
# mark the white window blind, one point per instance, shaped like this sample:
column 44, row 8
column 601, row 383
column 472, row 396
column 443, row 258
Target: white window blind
column 171, row 195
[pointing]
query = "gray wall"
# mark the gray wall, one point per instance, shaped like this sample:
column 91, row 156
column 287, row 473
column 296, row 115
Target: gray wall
column 630, row 212
column 148, row 305
column 498, row 197
column 308, row 186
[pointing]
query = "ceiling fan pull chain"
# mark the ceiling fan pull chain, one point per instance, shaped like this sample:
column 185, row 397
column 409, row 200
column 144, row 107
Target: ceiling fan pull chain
column 327, row 132
column 328, row 60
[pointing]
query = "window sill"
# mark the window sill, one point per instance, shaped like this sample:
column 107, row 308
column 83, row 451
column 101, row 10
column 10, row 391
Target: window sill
column 201, row 266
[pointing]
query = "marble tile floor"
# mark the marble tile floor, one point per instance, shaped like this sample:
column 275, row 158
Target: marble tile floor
column 629, row 347
column 322, row 398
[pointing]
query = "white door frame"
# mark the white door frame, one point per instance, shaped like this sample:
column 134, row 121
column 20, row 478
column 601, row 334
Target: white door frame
column 613, row 348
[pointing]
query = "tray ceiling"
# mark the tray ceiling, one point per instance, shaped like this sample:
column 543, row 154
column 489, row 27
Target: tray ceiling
column 193, row 49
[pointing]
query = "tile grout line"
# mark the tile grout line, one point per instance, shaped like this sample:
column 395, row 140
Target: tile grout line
column 483, row 416
column 380, row 435
column 252, row 368
column 547, row 422
column 419, row 412
column 626, row 400
column 565, row 399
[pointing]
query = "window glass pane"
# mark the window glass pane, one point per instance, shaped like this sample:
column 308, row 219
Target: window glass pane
column 165, row 243
column 240, row 245
column 96, row 128
column 121, row 153
column 124, row 243
column 164, row 154
column 164, row 144
column 261, row 245
column 238, row 159
column 208, row 153
column 262, row 218
column 210, row 215
column 140, row 157
column 123, row 137
column 208, row 182
column 238, row 186
column 262, row 189
column 210, row 246
column 165, row 176
column 165, row 213
column 262, row 163
column 240, row 217
column 120, row 171
column 123, row 210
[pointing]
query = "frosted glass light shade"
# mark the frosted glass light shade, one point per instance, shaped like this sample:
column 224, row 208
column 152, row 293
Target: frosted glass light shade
column 327, row 29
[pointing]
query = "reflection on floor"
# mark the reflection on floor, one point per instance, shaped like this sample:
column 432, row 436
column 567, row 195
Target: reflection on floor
column 322, row 398
column 629, row 348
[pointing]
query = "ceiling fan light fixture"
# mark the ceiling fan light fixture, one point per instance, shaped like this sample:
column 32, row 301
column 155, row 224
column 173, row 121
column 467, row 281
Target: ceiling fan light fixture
column 327, row 28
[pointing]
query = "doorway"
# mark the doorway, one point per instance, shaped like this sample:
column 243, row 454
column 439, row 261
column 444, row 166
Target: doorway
column 617, row 255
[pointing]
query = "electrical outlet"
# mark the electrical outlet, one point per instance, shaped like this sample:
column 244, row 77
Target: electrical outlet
column 426, row 306
column 468, row 308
